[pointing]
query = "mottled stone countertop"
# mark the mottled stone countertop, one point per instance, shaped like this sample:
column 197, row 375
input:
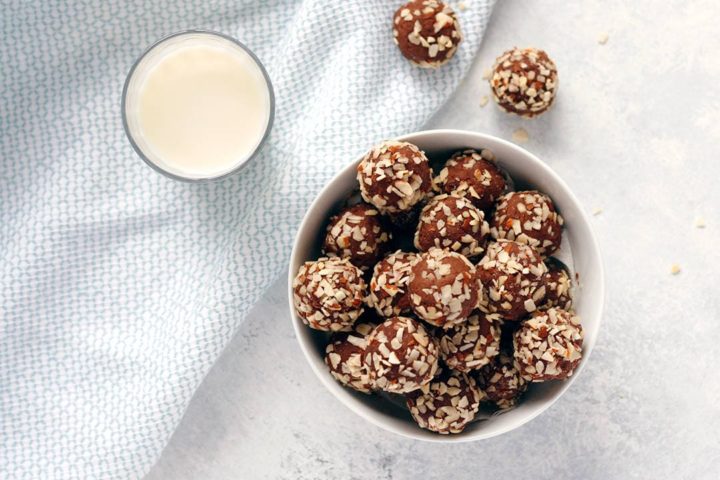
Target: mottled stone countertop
column 636, row 134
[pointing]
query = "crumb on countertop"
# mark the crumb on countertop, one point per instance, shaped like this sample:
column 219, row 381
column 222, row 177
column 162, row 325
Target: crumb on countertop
column 521, row 135
column 487, row 74
column 484, row 100
column 603, row 38
column 675, row 269
column 597, row 211
column 462, row 6
column 699, row 222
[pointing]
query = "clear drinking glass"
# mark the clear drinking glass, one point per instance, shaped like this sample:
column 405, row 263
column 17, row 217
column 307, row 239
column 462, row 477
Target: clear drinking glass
column 137, row 75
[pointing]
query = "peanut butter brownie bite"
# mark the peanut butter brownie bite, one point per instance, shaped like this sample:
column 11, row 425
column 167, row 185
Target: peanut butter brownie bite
column 345, row 354
column 524, row 81
column 475, row 175
column 548, row 346
column 512, row 275
column 401, row 355
column 329, row 294
column 389, row 285
column 358, row 234
column 501, row 382
column 443, row 288
column 448, row 405
column 558, row 285
column 427, row 32
column 394, row 177
column 452, row 222
column 472, row 344
column 528, row 217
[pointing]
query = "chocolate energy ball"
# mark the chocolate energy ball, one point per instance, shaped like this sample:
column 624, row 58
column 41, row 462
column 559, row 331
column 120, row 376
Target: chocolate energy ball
column 427, row 32
column 443, row 288
column 358, row 234
column 344, row 356
column 501, row 382
column 512, row 275
column 524, row 81
column 548, row 346
column 448, row 405
column 528, row 217
column 401, row 355
column 471, row 345
column 329, row 293
column 558, row 285
column 388, row 287
column 475, row 175
column 452, row 222
column 394, row 177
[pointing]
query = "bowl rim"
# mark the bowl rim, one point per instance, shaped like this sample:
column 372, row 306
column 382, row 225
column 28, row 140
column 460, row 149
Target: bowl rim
column 365, row 413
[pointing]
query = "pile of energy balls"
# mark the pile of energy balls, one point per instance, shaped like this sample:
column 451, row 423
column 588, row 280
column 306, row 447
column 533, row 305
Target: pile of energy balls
column 441, row 287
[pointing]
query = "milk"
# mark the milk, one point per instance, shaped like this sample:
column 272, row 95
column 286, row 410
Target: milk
column 197, row 105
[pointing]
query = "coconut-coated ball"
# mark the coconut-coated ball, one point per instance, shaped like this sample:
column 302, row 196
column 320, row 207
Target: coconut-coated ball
column 558, row 285
column 401, row 355
column 394, row 177
column 345, row 354
column 501, row 382
column 389, row 285
column 448, row 405
column 472, row 344
column 329, row 294
column 427, row 32
column 443, row 288
column 524, row 81
column 548, row 346
column 358, row 234
column 512, row 275
column 473, row 174
column 528, row 217
column 452, row 222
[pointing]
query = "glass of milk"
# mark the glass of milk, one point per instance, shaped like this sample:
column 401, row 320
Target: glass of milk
column 197, row 106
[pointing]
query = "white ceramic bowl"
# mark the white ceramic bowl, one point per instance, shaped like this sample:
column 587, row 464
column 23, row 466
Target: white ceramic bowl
column 527, row 171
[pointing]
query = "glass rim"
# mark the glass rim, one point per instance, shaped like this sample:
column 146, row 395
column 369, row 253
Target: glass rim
column 139, row 151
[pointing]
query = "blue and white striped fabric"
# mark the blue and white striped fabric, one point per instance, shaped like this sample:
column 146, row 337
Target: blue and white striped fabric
column 119, row 287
